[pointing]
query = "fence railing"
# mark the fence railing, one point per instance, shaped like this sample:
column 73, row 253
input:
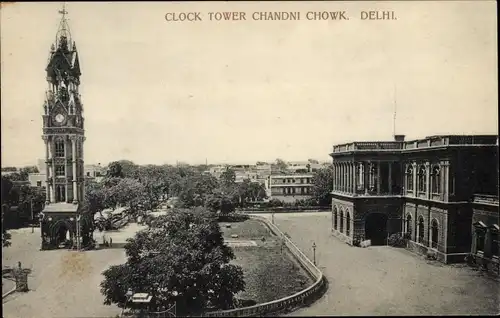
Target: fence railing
column 286, row 303
column 287, row 209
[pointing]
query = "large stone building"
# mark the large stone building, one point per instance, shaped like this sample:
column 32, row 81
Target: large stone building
column 62, row 220
column 290, row 187
column 441, row 190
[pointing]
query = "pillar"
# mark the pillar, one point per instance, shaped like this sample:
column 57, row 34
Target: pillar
column 427, row 180
column 354, row 179
column 75, row 185
column 341, row 177
column 53, row 172
column 378, row 177
column 82, row 183
column 47, row 170
column 348, row 177
column 445, row 184
column 415, row 176
column 66, row 183
column 344, row 179
column 390, row 177
column 366, row 170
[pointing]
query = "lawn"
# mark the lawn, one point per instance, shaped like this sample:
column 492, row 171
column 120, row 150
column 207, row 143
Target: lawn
column 270, row 272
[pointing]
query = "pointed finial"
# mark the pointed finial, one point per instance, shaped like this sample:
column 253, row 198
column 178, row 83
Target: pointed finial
column 63, row 11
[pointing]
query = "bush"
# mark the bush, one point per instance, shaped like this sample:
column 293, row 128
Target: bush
column 398, row 240
column 431, row 255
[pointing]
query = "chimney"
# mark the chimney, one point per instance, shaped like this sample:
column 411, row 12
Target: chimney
column 399, row 138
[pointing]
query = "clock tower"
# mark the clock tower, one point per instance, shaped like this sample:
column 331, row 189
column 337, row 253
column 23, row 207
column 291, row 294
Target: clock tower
column 63, row 122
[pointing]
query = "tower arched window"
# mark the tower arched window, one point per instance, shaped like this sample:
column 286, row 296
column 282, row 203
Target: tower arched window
column 59, row 148
column 421, row 179
column 436, row 181
column 409, row 178
column 421, row 230
column 348, row 224
column 341, row 221
column 434, row 234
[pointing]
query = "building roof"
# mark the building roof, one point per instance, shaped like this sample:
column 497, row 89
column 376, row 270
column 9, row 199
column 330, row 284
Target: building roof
column 60, row 207
column 432, row 142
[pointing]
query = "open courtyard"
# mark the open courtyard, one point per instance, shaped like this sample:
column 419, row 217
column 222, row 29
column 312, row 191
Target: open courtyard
column 384, row 280
column 66, row 283
column 270, row 271
column 62, row 283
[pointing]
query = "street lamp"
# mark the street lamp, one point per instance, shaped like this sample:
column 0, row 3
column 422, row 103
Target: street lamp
column 314, row 253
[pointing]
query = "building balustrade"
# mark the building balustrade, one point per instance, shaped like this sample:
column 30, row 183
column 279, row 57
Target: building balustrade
column 486, row 199
column 433, row 141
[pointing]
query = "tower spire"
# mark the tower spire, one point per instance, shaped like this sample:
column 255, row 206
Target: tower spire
column 63, row 36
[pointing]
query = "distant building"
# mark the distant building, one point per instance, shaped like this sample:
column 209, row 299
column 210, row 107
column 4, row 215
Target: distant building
column 302, row 167
column 37, row 179
column 289, row 187
column 441, row 190
column 91, row 172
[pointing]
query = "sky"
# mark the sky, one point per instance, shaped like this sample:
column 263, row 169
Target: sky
column 245, row 91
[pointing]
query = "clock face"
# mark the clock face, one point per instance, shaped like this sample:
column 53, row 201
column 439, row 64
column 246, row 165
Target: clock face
column 59, row 118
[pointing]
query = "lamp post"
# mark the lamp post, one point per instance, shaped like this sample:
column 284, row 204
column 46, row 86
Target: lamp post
column 32, row 217
column 314, row 253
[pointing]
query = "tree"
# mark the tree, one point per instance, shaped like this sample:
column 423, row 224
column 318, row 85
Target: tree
column 95, row 197
column 115, row 170
column 126, row 192
column 128, row 168
column 25, row 171
column 5, row 235
column 323, row 185
column 9, row 169
column 31, row 198
column 280, row 164
column 181, row 258
column 195, row 189
column 219, row 201
column 228, row 177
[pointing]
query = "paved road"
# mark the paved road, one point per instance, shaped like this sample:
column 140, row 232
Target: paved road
column 383, row 280
column 62, row 284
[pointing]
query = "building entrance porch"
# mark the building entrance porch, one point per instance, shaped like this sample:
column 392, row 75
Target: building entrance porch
column 376, row 228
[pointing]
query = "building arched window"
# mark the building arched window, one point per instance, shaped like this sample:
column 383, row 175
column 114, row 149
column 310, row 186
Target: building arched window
column 436, row 181
column 409, row 178
column 421, row 179
column 341, row 221
column 335, row 220
column 494, row 240
column 421, row 232
column 434, row 234
column 408, row 224
column 348, row 224
column 59, row 148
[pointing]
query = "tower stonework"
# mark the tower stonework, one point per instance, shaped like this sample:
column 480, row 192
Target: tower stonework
column 65, row 221
column 63, row 122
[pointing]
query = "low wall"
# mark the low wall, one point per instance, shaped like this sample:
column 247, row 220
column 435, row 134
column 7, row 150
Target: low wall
column 285, row 209
column 287, row 303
